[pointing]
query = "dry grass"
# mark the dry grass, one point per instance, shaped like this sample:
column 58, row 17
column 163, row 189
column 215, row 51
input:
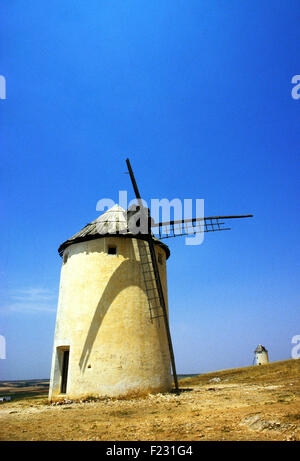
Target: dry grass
column 265, row 374
column 253, row 403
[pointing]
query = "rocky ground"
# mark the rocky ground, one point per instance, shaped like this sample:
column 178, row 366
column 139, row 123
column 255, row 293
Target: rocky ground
column 253, row 403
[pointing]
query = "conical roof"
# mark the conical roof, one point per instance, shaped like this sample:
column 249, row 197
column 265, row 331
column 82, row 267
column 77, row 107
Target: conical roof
column 111, row 223
column 260, row 348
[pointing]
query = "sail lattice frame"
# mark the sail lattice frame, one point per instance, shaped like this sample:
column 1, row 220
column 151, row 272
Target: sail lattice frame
column 169, row 229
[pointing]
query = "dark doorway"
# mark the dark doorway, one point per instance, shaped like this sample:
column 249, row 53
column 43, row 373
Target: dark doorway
column 64, row 372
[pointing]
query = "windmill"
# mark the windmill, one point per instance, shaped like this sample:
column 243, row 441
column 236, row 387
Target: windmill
column 112, row 336
column 168, row 229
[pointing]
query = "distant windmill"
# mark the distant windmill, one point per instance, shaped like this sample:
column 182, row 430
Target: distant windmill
column 261, row 356
column 109, row 338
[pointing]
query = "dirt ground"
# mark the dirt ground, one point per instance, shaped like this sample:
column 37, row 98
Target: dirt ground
column 253, row 403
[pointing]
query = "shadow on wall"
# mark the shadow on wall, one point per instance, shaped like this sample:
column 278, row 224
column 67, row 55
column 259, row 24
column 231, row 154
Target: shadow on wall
column 116, row 284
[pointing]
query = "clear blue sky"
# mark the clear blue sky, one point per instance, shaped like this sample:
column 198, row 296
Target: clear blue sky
column 198, row 95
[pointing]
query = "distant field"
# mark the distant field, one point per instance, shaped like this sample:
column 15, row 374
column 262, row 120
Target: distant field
column 186, row 376
column 34, row 388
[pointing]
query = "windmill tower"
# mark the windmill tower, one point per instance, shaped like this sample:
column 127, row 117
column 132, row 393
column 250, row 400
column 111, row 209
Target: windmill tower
column 112, row 335
column 261, row 355
column 110, row 339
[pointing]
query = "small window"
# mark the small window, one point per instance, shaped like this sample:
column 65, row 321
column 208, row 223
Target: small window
column 160, row 258
column 112, row 250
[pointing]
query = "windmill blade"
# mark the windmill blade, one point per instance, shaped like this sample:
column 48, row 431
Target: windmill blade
column 156, row 277
column 177, row 228
column 134, row 184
